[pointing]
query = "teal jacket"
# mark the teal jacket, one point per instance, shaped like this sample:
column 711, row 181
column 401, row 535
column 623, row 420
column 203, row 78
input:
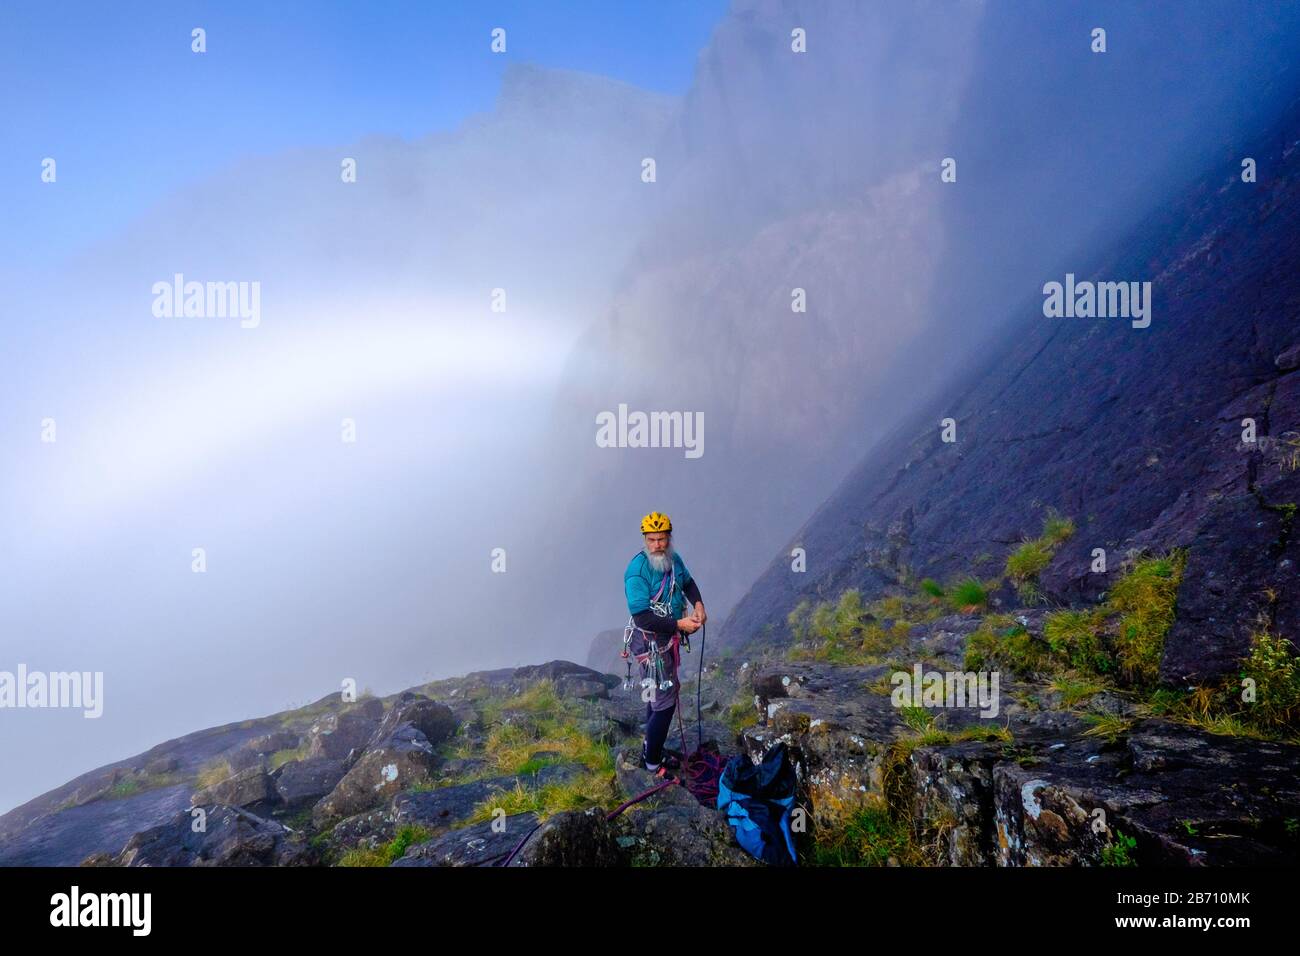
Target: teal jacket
column 641, row 581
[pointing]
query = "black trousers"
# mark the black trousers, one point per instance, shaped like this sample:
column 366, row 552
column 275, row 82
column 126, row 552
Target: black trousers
column 657, row 725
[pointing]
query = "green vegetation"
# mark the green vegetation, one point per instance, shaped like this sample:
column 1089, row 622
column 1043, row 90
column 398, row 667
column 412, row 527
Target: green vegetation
column 1075, row 637
column 868, row 836
column 882, row 685
column 848, row 632
column 969, row 595
column 586, row 790
column 1107, row 726
column 1123, row 639
column 1271, row 666
column 126, row 787
column 386, row 854
column 1290, row 458
column 1263, row 702
column 1057, row 529
column 1002, row 642
column 742, row 714
column 1035, row 554
column 296, row 820
column 1144, row 599
column 918, row 718
column 282, row 757
column 1119, row 851
column 1121, row 643
column 135, row 782
column 1075, row 691
column 1115, row 646
column 212, row 773
column 541, row 720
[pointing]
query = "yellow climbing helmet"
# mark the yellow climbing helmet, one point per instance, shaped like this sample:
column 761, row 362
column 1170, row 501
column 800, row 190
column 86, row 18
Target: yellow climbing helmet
column 654, row 521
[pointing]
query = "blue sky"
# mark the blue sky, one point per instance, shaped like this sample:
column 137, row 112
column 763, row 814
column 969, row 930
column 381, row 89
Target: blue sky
column 115, row 95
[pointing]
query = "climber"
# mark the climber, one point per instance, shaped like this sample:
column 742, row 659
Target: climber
column 658, row 585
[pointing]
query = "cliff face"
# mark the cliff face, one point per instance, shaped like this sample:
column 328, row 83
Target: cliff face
column 820, row 172
column 1134, row 433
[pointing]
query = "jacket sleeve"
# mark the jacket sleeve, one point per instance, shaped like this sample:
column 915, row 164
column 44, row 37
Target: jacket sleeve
column 692, row 592
column 649, row 621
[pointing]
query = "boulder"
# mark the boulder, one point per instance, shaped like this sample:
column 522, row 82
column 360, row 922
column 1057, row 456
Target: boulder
column 463, row 766
column 479, row 845
column 402, row 760
column 242, row 758
column 671, row 828
column 230, row 837
column 270, row 743
column 432, row 719
column 602, row 729
column 160, row 766
column 555, row 670
column 367, row 830
column 573, row 838
column 372, row 708
column 247, row 788
column 302, row 782
column 625, row 708
column 581, row 688
column 445, row 807
column 335, row 736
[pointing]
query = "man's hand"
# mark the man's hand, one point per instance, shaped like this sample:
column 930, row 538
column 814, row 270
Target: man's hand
column 688, row 625
column 699, row 614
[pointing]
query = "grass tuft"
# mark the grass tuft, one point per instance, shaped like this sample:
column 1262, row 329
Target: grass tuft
column 1028, row 561
column 389, row 852
column 1144, row 599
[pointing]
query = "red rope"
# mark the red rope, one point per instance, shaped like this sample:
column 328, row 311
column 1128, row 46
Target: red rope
column 702, row 770
column 637, row 799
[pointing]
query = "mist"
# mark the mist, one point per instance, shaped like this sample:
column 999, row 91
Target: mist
column 436, row 341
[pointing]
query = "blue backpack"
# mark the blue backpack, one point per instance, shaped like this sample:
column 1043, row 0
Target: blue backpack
column 757, row 799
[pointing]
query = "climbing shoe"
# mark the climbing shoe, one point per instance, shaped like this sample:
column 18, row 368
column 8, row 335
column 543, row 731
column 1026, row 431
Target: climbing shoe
column 666, row 762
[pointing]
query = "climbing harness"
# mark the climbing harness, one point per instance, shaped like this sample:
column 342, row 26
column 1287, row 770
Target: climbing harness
column 652, row 661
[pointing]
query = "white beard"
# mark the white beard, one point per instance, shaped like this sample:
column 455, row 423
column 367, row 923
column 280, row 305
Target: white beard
column 660, row 562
